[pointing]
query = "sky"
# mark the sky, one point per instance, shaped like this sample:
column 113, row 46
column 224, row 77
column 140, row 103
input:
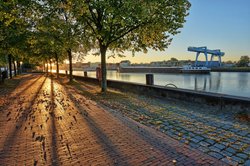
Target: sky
column 217, row 24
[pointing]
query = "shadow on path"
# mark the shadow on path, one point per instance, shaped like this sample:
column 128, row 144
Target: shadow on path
column 26, row 112
column 54, row 154
column 107, row 145
column 27, row 86
column 170, row 148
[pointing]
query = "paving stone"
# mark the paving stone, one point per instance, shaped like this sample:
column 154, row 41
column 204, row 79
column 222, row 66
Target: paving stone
column 191, row 134
column 242, row 155
column 247, row 150
column 219, row 146
column 210, row 141
column 247, row 163
column 203, row 149
column 216, row 155
column 193, row 145
column 243, row 133
column 231, row 139
column 165, row 123
column 236, row 146
column 197, row 139
column 245, row 140
column 226, row 153
column 229, row 161
column 231, row 150
column 226, row 127
column 215, row 149
column 234, row 130
column 203, row 143
column 237, row 159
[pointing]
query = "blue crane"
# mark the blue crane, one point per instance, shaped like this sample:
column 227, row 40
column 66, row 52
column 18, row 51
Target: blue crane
column 206, row 51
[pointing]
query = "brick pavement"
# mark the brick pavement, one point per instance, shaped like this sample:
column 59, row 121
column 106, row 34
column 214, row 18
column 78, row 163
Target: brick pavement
column 44, row 123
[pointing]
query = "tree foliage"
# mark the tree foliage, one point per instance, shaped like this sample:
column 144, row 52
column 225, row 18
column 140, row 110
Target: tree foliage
column 44, row 29
column 132, row 25
column 59, row 28
column 244, row 61
column 14, row 25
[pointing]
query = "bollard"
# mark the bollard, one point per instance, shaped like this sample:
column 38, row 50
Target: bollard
column 85, row 74
column 98, row 73
column 4, row 75
column 149, row 79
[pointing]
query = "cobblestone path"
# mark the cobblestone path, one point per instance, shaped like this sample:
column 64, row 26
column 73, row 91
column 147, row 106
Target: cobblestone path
column 219, row 133
column 44, row 123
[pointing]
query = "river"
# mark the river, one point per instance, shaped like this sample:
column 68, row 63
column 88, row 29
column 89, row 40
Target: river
column 231, row 83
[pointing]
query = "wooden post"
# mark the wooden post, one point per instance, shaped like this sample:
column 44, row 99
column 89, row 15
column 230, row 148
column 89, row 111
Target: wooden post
column 149, row 79
column 85, row 74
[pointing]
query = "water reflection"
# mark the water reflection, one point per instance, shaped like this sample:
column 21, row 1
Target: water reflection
column 243, row 81
column 124, row 77
column 215, row 82
column 232, row 83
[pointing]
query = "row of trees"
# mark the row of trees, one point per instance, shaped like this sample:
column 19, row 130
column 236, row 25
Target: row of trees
column 44, row 30
column 244, row 61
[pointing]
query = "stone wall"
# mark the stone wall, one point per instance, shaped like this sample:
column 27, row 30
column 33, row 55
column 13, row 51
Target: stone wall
column 220, row 101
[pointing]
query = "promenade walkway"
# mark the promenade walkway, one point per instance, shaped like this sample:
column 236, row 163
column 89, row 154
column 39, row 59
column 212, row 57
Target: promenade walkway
column 44, row 123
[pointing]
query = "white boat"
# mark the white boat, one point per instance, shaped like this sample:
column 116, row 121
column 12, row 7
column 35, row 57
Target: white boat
column 195, row 69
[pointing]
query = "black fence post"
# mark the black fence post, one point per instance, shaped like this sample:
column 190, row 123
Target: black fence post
column 149, row 79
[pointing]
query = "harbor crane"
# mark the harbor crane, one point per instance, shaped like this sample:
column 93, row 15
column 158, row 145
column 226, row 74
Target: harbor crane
column 206, row 51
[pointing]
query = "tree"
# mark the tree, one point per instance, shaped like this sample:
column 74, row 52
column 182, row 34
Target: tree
column 244, row 61
column 174, row 60
column 63, row 27
column 228, row 62
column 14, row 23
column 132, row 25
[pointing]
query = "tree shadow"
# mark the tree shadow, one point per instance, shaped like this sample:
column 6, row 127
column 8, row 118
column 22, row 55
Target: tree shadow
column 114, row 154
column 54, row 154
column 12, row 135
column 11, row 98
column 170, row 148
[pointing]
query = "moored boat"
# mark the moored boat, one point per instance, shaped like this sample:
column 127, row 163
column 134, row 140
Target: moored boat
column 195, row 69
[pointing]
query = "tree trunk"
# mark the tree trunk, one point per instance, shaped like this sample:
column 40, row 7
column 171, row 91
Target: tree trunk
column 70, row 65
column 18, row 68
column 44, row 67
column 10, row 66
column 47, row 68
column 14, row 64
column 50, row 63
column 57, row 66
column 103, row 50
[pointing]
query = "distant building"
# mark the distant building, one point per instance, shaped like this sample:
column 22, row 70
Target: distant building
column 112, row 66
column 125, row 63
column 159, row 63
column 210, row 64
column 170, row 63
column 228, row 65
column 95, row 65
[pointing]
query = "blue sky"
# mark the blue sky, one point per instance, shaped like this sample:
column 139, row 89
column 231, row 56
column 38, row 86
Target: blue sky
column 217, row 24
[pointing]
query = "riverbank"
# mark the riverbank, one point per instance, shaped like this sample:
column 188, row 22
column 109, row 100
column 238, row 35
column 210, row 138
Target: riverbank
column 231, row 69
column 220, row 134
column 177, row 69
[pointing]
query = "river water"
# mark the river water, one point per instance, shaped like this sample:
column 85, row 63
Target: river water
column 231, row 83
